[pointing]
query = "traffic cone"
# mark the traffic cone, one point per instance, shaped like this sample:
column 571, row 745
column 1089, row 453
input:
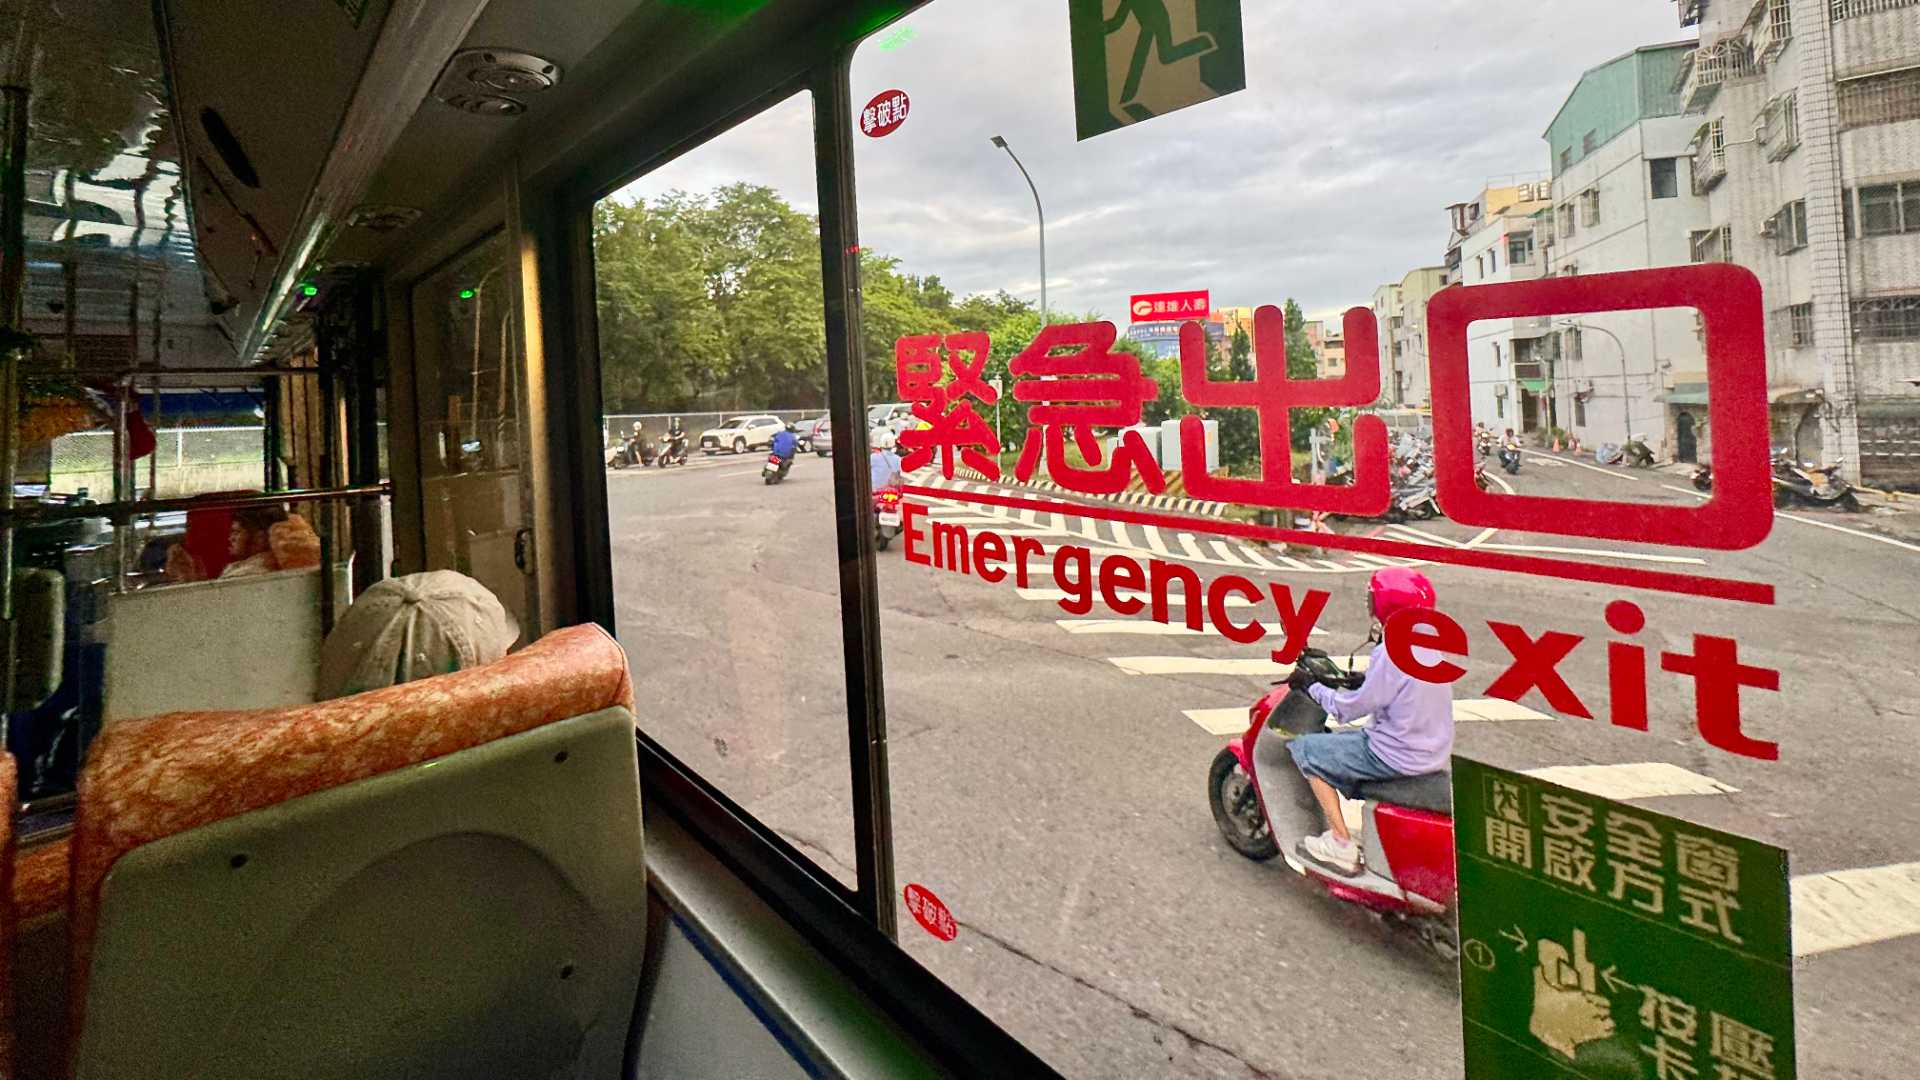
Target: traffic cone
column 1556, row 444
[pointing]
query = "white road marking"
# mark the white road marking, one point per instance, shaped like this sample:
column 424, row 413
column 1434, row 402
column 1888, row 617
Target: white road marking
column 1187, row 544
column 1234, row 721
column 1426, row 537
column 1850, row 532
column 1591, row 553
column 1644, row 780
column 1209, row 665
column 1225, row 553
column 1174, row 599
column 1257, row 559
column 1875, row 537
column 1154, row 542
column 742, row 472
column 1844, row 908
column 1220, row 721
column 1615, row 473
column 1146, row 627
column 1494, row 710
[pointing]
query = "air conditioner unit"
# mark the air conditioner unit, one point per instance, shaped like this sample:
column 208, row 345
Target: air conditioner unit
column 1770, row 227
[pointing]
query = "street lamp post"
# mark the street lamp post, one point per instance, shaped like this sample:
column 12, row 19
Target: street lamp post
column 1626, row 393
column 1039, row 210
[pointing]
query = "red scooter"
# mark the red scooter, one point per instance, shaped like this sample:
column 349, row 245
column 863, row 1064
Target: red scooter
column 886, row 513
column 1265, row 808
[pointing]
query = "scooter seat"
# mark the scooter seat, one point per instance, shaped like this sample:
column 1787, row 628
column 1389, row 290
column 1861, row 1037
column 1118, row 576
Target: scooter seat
column 1429, row 791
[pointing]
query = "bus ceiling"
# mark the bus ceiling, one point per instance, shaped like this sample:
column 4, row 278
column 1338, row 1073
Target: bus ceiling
column 323, row 138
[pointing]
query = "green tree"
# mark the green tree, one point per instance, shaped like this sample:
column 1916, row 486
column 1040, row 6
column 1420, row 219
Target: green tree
column 1302, row 363
column 1239, row 428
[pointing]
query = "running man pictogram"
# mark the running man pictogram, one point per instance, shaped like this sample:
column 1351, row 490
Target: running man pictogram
column 1156, row 36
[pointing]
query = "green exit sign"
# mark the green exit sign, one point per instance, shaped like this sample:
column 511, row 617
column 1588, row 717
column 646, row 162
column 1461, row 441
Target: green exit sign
column 1600, row 939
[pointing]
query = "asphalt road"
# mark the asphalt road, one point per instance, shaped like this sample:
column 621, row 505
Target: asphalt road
column 1056, row 802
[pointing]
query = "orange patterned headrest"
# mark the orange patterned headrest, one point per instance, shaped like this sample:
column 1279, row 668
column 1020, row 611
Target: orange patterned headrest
column 155, row 777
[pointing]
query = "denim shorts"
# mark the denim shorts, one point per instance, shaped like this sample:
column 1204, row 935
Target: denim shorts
column 1341, row 758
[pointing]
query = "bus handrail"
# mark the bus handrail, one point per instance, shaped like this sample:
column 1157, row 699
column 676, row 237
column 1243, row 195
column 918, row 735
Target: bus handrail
column 122, row 512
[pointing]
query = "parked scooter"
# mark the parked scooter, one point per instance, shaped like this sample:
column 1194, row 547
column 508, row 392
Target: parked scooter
column 633, row 450
column 886, row 515
column 1703, row 478
column 1803, row 483
column 1264, row 807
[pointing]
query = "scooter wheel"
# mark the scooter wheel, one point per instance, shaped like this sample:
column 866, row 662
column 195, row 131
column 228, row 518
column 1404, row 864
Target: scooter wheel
column 1848, row 502
column 1237, row 810
column 881, row 540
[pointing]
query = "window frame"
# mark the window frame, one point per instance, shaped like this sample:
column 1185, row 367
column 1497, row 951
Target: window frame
column 1653, row 183
column 853, row 929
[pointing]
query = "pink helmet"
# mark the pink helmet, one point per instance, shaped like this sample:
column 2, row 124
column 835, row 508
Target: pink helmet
column 1397, row 588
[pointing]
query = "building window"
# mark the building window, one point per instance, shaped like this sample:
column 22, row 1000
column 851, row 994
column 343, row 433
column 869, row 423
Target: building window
column 1580, row 410
column 1879, row 99
column 1794, row 326
column 1566, row 158
column 1500, row 408
column 1479, row 267
column 1590, row 206
column 1847, row 9
column 1885, row 209
column 1664, row 174
column 1712, row 245
column 1788, row 228
column 1493, row 261
column 1575, row 351
column 1565, row 216
column 1519, row 249
column 1496, row 354
column 1589, row 143
column 1887, row 318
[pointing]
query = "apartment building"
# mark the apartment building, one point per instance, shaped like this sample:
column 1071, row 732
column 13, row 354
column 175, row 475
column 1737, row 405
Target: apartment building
column 1494, row 240
column 1405, row 383
column 1387, row 302
column 1807, row 151
column 1625, row 200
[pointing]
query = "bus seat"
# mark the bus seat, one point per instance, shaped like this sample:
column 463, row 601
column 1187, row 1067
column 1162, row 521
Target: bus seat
column 233, row 643
column 438, row 879
column 9, row 777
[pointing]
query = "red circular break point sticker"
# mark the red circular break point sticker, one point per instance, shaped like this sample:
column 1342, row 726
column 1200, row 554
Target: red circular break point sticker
column 884, row 114
column 930, row 913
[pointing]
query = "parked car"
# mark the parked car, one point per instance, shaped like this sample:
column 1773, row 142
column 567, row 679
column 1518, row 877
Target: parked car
column 741, row 434
column 822, row 443
column 807, row 430
column 890, row 415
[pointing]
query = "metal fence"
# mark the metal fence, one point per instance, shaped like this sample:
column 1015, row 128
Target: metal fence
column 1847, row 9
column 693, row 423
column 187, row 461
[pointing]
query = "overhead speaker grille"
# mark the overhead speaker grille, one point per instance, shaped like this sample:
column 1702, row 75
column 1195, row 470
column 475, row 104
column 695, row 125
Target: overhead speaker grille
column 494, row 82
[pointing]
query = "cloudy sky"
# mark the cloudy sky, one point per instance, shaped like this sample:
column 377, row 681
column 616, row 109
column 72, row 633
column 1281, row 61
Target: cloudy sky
column 1329, row 175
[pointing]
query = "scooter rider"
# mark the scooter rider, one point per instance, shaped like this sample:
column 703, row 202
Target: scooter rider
column 784, row 445
column 1411, row 733
column 883, row 462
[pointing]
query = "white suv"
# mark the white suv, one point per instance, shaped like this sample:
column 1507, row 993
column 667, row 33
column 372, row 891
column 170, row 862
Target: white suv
column 741, row 433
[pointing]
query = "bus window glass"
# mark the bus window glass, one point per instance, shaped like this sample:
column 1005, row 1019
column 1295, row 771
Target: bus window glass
column 725, row 569
column 1120, row 536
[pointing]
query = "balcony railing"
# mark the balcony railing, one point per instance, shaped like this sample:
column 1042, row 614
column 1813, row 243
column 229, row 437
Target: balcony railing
column 1712, row 65
column 1848, row 9
column 1709, row 157
column 1778, row 129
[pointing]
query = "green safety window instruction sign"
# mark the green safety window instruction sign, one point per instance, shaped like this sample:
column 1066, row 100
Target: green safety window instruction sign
column 1602, row 940
column 1134, row 60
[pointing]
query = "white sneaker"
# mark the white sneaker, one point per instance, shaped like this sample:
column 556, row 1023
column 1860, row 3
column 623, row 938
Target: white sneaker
column 1342, row 858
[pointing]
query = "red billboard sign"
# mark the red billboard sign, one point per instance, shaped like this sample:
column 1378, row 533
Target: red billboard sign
column 1171, row 305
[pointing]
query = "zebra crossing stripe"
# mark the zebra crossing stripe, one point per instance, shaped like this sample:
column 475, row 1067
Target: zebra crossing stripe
column 1154, row 543
column 1188, row 545
column 1143, row 627
column 1220, row 721
column 1845, row 908
column 1644, row 780
column 1257, row 559
column 1224, row 553
column 1259, row 667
